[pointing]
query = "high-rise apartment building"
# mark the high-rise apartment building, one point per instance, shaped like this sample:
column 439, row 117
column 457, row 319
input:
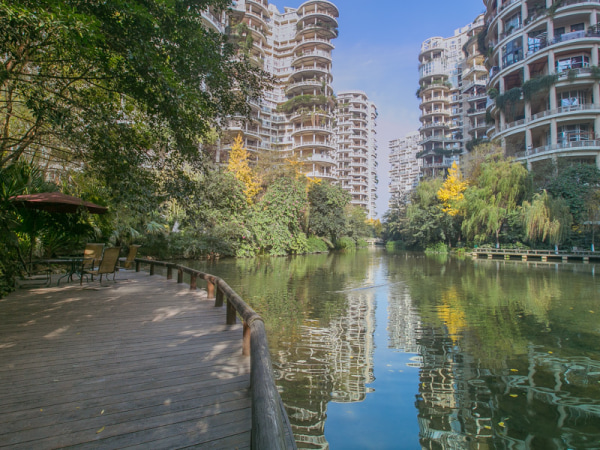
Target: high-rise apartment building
column 357, row 148
column 298, row 116
column 405, row 167
column 544, row 80
column 451, row 83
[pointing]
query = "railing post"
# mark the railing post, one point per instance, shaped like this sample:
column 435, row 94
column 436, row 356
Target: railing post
column 193, row 282
column 246, row 340
column 219, row 298
column 210, row 290
column 138, row 265
column 151, row 268
column 179, row 275
column 169, row 272
column 231, row 314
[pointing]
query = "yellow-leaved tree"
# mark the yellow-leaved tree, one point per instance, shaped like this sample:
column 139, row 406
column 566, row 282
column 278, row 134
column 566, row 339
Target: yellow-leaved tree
column 238, row 165
column 452, row 191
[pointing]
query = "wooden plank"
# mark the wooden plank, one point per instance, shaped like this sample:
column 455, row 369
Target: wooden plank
column 140, row 363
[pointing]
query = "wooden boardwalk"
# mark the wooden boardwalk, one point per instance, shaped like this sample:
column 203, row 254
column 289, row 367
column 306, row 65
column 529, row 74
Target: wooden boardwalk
column 143, row 363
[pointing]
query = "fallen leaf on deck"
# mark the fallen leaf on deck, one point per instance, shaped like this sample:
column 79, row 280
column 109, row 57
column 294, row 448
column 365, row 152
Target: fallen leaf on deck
column 100, row 430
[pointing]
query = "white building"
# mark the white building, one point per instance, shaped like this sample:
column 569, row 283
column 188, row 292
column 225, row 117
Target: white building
column 405, row 167
column 357, row 148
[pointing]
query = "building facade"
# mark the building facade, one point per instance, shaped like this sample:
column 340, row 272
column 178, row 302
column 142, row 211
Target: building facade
column 298, row 117
column 452, row 84
column 357, row 148
column 544, row 80
column 405, row 167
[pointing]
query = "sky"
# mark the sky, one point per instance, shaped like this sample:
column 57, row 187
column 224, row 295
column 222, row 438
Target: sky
column 377, row 52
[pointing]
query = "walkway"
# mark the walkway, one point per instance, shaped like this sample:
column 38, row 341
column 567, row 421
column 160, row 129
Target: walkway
column 143, row 363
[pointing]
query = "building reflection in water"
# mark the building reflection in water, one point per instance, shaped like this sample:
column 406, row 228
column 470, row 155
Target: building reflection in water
column 329, row 364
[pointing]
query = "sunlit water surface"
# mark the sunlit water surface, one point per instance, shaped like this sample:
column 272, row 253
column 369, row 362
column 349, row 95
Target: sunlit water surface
column 374, row 350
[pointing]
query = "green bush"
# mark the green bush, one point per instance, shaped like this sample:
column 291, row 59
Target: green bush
column 345, row 243
column 361, row 243
column 395, row 245
column 316, row 245
column 439, row 247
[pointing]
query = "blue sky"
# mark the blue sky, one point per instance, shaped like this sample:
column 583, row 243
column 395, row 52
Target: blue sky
column 377, row 52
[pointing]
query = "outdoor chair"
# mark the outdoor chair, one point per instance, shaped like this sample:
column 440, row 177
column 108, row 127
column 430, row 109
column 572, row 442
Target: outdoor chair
column 108, row 265
column 127, row 262
column 92, row 256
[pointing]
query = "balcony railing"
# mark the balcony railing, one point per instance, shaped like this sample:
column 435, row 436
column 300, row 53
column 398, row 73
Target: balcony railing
column 559, row 146
column 534, row 48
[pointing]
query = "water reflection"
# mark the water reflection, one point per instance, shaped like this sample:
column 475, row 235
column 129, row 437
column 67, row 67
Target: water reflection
column 506, row 352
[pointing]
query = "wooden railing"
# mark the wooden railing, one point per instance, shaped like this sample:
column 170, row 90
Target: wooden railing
column 516, row 251
column 270, row 425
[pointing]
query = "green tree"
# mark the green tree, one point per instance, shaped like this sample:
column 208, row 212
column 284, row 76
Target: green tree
column 493, row 198
column 327, row 210
column 574, row 184
column 107, row 81
column 239, row 167
column 546, row 218
column 358, row 226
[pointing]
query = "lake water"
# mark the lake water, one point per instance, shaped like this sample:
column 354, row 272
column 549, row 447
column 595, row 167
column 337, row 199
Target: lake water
column 378, row 350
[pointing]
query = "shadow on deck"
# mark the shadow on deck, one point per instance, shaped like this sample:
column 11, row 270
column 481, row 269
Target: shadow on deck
column 141, row 363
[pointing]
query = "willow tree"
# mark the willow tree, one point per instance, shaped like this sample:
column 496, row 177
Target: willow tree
column 493, row 198
column 547, row 218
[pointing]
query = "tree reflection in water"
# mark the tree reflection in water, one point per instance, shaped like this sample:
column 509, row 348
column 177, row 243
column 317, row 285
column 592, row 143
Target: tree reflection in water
column 507, row 351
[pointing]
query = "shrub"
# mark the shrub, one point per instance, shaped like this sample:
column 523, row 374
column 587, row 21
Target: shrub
column 361, row 243
column 316, row 245
column 439, row 247
column 395, row 245
column 345, row 243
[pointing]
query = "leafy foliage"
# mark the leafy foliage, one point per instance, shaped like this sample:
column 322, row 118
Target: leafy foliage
column 95, row 81
column 546, row 217
column 327, row 217
column 238, row 165
column 452, row 191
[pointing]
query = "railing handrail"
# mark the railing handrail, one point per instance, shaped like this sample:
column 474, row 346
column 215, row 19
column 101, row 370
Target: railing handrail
column 516, row 251
column 269, row 420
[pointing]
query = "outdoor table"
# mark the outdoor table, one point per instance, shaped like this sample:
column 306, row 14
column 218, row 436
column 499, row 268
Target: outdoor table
column 72, row 264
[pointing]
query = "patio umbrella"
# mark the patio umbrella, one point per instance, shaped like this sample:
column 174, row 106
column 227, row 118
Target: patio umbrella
column 56, row 202
column 53, row 202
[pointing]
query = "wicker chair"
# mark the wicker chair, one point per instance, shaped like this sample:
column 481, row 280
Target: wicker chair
column 91, row 256
column 127, row 262
column 108, row 265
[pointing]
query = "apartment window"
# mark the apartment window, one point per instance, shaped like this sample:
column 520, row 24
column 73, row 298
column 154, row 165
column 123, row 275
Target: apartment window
column 571, row 98
column 513, row 22
column 572, row 62
column 578, row 27
column 512, row 52
column 573, row 133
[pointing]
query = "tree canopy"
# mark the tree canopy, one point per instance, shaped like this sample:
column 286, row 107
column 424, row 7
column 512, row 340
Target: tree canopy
column 112, row 81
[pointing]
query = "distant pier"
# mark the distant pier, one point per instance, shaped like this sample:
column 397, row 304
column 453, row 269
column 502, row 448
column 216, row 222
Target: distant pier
column 536, row 255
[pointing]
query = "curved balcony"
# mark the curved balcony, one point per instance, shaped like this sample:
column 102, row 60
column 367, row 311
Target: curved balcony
column 323, row 30
column 318, row 15
column 322, row 175
column 310, row 71
column 311, row 129
column 303, row 86
column 434, row 126
column 261, row 4
column 432, row 69
column 575, row 148
column 427, row 103
column 264, row 21
column 434, row 112
column 568, row 112
column 316, row 54
column 213, row 22
column 316, row 158
column 312, row 144
column 503, row 11
column 312, row 41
